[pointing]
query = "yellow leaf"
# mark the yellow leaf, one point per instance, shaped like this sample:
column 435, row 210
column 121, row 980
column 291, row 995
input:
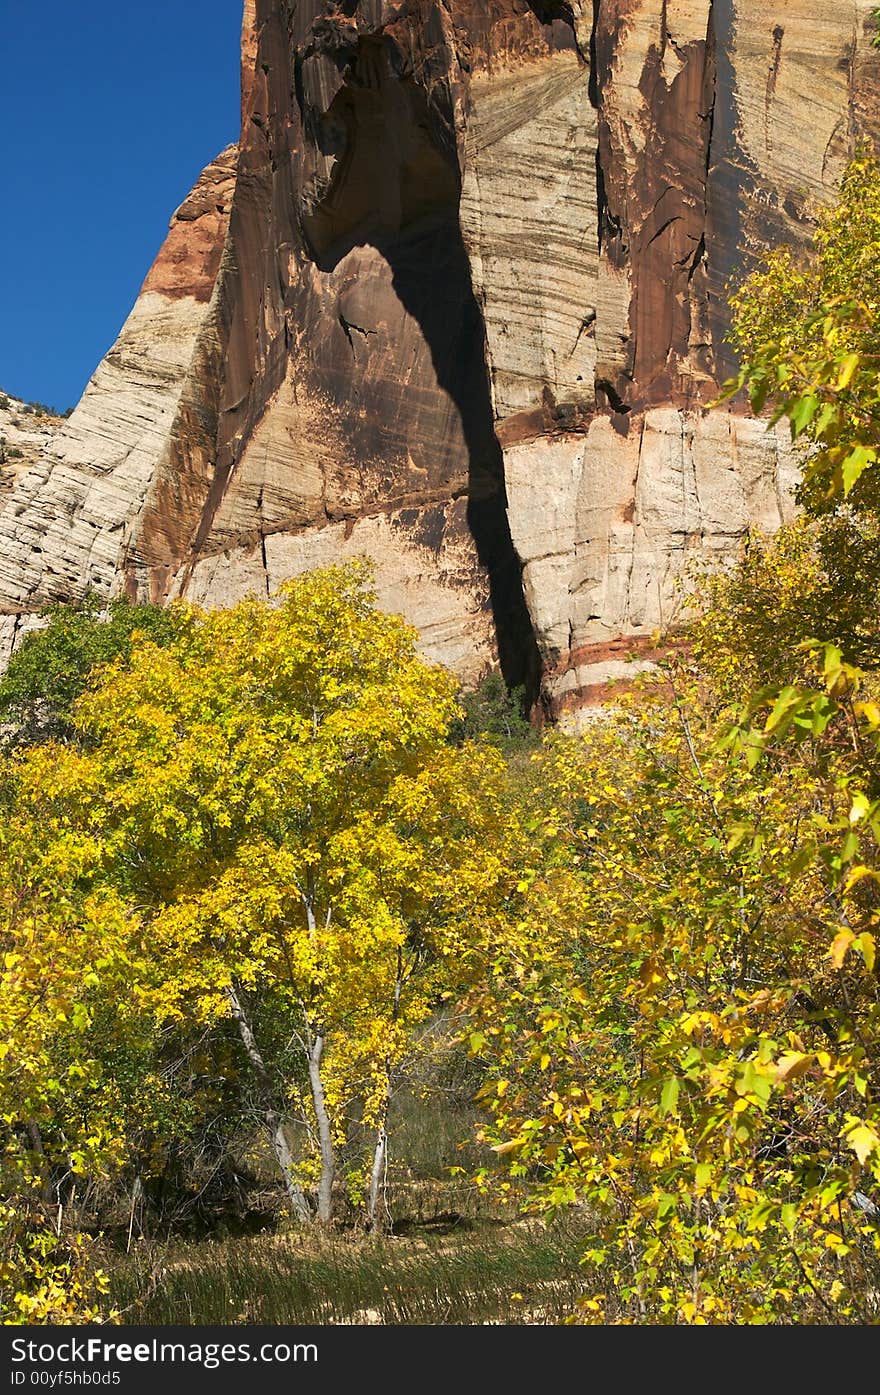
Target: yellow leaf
column 868, row 946
column 858, row 874
column 649, row 974
column 863, row 1141
column 847, row 370
column 860, row 809
column 840, row 947
column 791, row 1064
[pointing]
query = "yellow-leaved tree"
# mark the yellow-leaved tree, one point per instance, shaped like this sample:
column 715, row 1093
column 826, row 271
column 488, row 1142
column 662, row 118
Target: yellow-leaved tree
column 272, row 795
column 60, row 1119
column 680, row 1030
column 687, row 1042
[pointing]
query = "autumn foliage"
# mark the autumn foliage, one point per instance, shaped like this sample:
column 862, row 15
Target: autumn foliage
column 250, row 857
column 691, row 1047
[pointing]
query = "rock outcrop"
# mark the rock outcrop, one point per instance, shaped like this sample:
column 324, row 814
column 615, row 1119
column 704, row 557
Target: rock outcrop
column 458, row 301
column 65, row 522
column 26, row 431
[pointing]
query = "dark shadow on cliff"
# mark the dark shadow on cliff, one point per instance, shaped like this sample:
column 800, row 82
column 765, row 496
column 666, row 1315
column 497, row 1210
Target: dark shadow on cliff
column 431, row 276
column 396, row 187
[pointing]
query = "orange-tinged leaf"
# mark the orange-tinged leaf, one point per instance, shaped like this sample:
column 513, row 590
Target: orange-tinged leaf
column 840, row 947
column 509, row 1146
column 791, row 1064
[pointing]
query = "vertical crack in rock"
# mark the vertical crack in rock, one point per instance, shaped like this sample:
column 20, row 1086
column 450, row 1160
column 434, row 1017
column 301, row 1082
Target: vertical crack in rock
column 613, row 340
column 594, row 90
column 772, row 79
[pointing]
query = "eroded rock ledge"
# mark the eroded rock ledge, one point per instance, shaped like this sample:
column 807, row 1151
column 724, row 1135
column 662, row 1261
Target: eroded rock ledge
column 457, row 300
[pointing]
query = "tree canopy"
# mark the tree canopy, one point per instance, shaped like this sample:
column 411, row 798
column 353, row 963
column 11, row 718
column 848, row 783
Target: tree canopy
column 271, row 797
column 809, row 334
column 53, row 663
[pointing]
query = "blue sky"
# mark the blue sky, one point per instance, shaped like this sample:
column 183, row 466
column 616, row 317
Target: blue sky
column 108, row 111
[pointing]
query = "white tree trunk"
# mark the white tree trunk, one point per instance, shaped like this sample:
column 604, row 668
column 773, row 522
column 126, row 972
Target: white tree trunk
column 274, row 1122
column 377, row 1175
column 325, row 1135
column 380, row 1152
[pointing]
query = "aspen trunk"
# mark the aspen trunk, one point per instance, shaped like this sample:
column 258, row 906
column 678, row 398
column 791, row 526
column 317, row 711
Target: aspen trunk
column 380, row 1152
column 380, row 1158
column 325, row 1136
column 273, row 1120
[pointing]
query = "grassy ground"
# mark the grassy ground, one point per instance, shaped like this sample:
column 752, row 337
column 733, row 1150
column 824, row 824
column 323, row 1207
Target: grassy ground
column 451, row 1257
column 446, row 1270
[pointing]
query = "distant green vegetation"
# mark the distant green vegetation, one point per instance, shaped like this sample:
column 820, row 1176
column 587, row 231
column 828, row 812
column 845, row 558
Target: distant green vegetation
column 9, row 452
column 37, row 409
column 495, row 711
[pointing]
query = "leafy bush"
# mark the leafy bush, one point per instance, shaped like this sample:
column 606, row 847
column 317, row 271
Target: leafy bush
column 53, row 665
column 809, row 332
column 682, row 1029
column 495, row 711
column 45, row 1277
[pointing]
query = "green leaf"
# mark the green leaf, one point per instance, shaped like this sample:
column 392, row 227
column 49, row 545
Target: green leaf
column 802, row 414
column 788, row 1216
column 788, row 699
column 824, row 420
column 703, row 1175
column 669, row 1095
column 855, row 465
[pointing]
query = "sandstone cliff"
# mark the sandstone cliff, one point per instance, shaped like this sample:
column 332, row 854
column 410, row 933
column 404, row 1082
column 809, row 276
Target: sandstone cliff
column 26, row 431
column 458, row 301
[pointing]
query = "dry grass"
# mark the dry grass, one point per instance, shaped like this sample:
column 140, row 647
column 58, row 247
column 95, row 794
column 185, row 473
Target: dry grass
column 445, row 1269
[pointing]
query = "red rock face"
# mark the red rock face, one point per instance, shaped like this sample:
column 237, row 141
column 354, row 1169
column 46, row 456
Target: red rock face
column 352, row 344
column 458, row 301
column 189, row 260
column 653, row 210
